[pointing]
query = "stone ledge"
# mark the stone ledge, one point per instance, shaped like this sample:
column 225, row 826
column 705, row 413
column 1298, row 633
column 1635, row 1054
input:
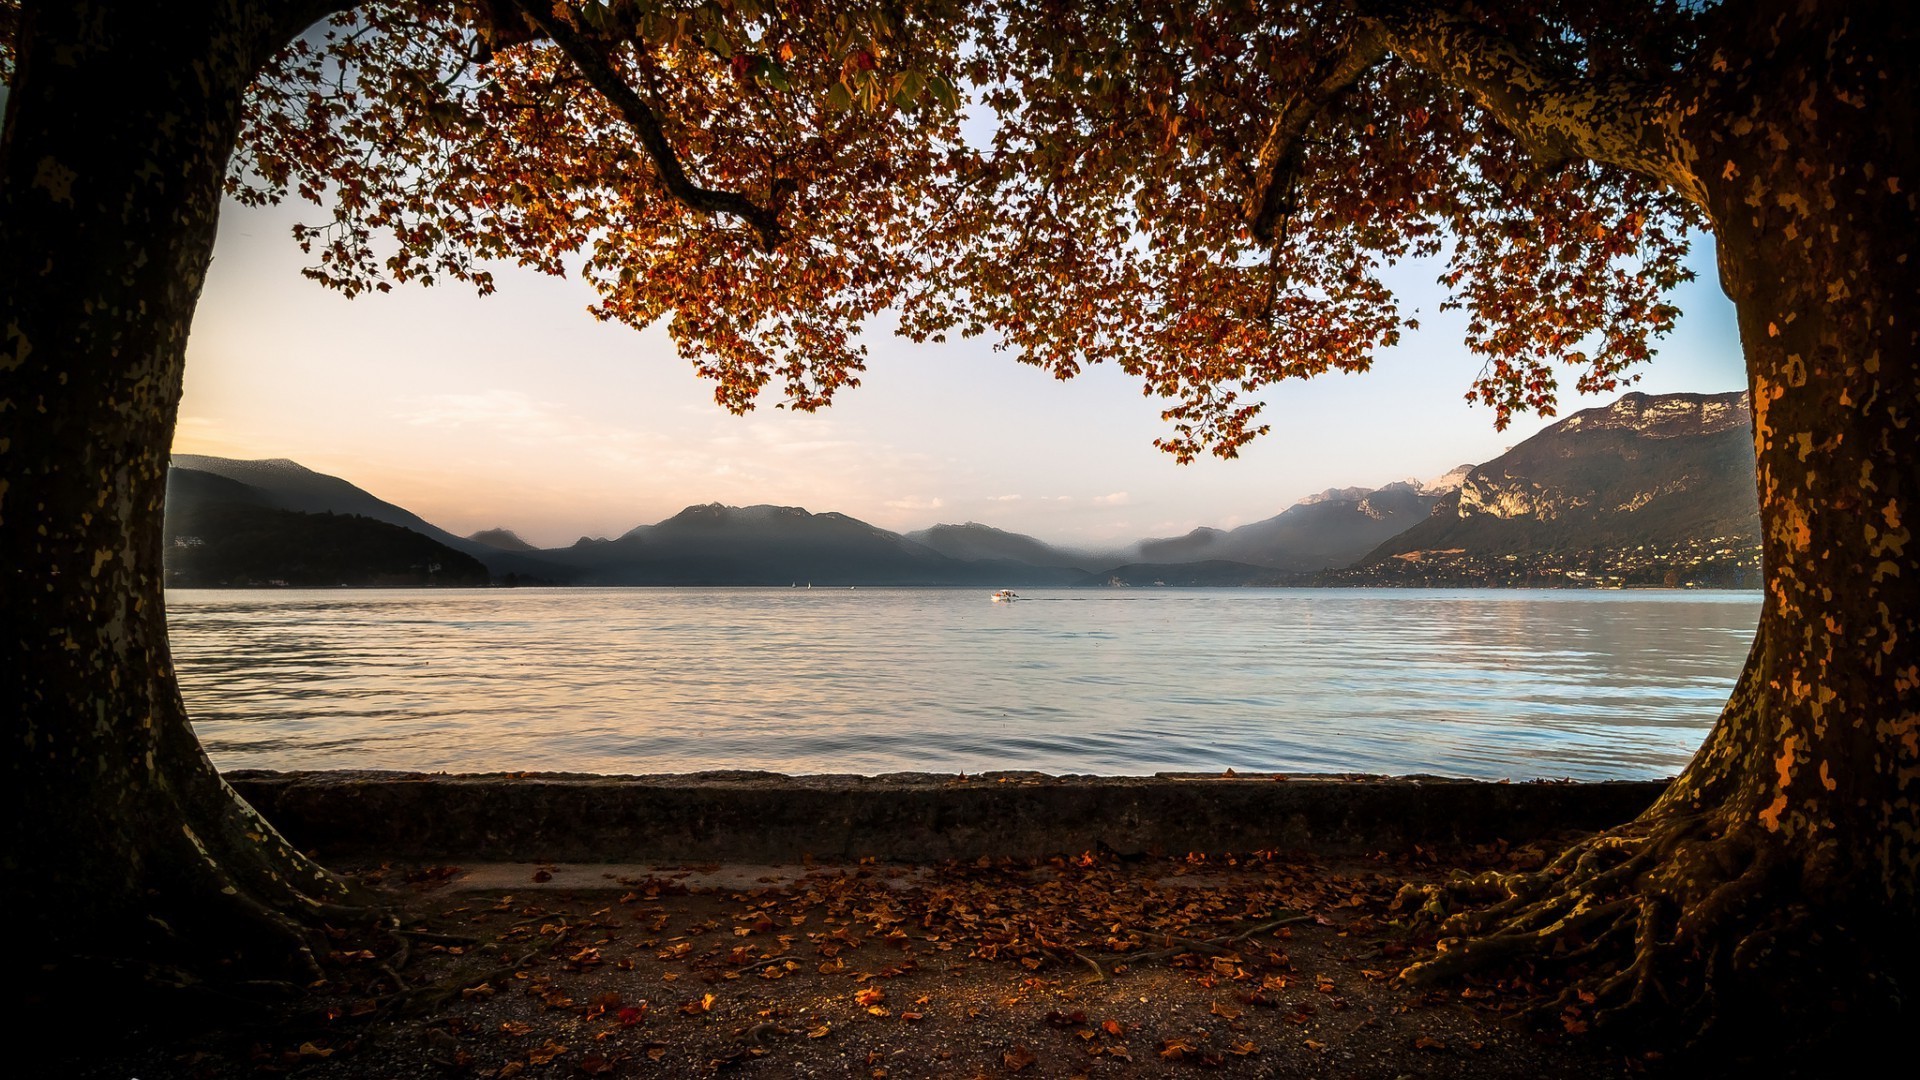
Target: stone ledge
column 768, row 817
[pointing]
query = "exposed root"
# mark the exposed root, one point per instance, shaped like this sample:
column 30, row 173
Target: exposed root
column 1663, row 928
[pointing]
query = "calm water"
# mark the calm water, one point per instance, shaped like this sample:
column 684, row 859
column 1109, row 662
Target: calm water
column 1474, row 683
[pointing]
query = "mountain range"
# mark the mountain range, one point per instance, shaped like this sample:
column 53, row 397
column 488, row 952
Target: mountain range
column 1649, row 490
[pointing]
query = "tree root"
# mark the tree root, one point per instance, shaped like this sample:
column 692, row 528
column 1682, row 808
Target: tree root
column 1664, row 929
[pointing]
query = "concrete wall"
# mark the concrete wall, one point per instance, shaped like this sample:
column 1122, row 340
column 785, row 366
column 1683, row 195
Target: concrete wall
column 766, row 817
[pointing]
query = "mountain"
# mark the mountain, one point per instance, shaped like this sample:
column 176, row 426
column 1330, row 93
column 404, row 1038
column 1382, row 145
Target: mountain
column 1636, row 491
column 1648, row 490
column 501, row 540
column 214, row 541
column 280, row 484
column 1334, row 528
column 288, row 485
column 781, row 545
column 974, row 541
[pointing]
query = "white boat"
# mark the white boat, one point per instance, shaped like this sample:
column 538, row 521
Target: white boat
column 1005, row 596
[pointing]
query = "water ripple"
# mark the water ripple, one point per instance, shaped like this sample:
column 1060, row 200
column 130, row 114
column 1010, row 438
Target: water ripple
column 1507, row 684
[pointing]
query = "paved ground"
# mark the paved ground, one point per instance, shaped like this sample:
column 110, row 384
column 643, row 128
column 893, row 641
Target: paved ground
column 1254, row 966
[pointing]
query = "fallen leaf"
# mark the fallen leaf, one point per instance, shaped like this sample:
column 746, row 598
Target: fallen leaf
column 1018, row 1058
column 545, row 1053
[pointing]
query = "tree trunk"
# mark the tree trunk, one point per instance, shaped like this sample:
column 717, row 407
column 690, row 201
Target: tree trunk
column 1780, row 869
column 1812, row 180
column 122, row 840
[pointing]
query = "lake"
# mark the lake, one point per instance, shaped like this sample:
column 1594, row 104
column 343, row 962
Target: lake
column 1482, row 683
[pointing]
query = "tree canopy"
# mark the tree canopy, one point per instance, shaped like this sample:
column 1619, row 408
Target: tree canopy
column 1202, row 194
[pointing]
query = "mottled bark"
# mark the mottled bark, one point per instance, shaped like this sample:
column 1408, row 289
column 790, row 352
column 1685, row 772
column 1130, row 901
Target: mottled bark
column 121, row 838
column 1812, row 170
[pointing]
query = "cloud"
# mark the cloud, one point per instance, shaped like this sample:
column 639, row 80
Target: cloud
column 915, row 504
column 1117, row 498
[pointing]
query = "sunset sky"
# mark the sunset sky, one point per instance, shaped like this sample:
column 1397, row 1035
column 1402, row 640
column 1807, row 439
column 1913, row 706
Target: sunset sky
column 519, row 410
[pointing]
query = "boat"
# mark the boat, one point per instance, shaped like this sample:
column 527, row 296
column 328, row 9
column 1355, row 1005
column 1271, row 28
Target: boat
column 1005, row 596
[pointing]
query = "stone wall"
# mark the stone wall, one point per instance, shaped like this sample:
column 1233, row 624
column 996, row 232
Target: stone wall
column 767, row 817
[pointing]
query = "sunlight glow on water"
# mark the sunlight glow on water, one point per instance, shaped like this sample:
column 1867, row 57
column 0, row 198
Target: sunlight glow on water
column 1492, row 684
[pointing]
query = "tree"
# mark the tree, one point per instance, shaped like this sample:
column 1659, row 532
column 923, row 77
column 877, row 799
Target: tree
column 1201, row 193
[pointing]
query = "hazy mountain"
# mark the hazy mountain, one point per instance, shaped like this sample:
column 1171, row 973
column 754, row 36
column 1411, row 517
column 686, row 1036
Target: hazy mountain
column 237, row 541
column 1671, row 475
column 1333, row 528
column 281, row 484
column 974, row 541
column 501, row 539
column 288, row 485
column 781, row 545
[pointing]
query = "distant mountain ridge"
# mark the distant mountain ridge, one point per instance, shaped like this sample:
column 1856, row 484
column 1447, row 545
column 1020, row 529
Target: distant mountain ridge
column 501, row 539
column 195, row 481
column 974, row 541
column 1331, row 529
column 713, row 544
column 1647, row 490
column 220, row 532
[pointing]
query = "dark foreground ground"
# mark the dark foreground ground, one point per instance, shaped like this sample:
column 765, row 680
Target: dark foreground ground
column 1262, row 965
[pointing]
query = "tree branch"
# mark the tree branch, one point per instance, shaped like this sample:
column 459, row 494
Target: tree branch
column 1268, row 202
column 601, row 75
column 1556, row 113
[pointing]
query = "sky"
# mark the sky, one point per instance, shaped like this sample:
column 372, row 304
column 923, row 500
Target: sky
column 519, row 410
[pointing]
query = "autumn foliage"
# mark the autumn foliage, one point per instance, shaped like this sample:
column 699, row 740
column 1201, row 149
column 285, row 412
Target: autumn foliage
column 1071, row 180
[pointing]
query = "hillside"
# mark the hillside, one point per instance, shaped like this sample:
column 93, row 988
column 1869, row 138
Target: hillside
column 277, row 483
column 1635, row 491
column 241, row 543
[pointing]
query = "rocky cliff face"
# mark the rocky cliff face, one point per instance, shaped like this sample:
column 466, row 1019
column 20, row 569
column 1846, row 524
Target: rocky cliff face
column 1671, row 472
